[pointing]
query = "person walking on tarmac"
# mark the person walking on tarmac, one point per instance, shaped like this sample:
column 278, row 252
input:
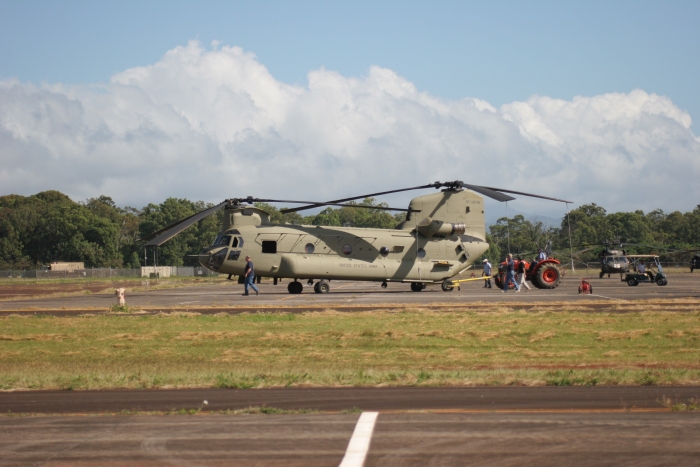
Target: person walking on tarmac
column 487, row 274
column 510, row 274
column 249, row 278
column 521, row 274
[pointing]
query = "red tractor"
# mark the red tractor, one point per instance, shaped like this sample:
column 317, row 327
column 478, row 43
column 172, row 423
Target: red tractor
column 543, row 274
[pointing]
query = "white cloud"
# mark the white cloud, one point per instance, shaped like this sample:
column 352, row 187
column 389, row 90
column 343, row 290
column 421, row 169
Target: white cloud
column 211, row 124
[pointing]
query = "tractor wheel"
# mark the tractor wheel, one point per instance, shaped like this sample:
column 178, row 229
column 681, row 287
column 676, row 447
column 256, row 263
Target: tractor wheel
column 547, row 276
column 417, row 286
column 448, row 285
column 631, row 282
column 499, row 281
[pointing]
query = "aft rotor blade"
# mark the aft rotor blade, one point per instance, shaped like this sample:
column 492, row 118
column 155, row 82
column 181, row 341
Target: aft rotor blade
column 490, row 192
column 370, row 195
column 165, row 234
column 525, row 194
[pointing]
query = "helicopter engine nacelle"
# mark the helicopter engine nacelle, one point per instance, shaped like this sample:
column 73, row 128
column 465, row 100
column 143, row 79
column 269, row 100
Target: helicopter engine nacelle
column 429, row 227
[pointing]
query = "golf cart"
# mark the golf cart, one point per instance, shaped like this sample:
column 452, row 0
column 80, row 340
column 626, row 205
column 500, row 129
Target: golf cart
column 653, row 274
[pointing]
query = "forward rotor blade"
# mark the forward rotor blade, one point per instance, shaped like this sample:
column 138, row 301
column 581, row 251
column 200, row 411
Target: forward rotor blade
column 370, row 195
column 322, row 203
column 525, row 194
column 165, row 234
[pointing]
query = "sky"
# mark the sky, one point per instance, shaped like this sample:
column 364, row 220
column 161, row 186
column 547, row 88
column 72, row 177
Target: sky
column 586, row 101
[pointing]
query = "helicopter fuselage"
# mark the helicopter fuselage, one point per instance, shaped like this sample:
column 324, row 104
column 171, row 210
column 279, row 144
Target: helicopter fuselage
column 442, row 235
column 315, row 252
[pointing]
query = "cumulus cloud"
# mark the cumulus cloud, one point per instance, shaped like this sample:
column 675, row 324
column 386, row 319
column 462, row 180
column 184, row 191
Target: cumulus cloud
column 211, row 124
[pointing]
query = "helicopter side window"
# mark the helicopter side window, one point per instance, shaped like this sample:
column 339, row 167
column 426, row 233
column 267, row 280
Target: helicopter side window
column 240, row 242
column 269, row 246
column 235, row 242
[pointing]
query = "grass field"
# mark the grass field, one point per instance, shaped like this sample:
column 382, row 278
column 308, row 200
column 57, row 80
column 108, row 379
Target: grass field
column 404, row 347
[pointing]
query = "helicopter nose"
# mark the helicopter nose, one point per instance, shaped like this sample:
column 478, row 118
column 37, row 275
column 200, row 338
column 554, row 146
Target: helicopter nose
column 216, row 259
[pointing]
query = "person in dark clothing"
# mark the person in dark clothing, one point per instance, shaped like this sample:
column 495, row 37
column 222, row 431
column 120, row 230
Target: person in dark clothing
column 510, row 275
column 521, row 274
column 249, row 278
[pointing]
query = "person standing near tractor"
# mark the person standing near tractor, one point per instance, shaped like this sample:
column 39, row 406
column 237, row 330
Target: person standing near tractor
column 521, row 274
column 510, row 274
column 249, row 278
column 487, row 274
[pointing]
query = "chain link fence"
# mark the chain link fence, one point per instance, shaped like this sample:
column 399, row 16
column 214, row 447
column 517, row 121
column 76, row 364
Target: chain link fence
column 108, row 273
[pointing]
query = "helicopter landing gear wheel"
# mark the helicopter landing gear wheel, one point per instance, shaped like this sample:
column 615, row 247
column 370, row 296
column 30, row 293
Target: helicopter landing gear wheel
column 322, row 287
column 417, row 286
column 295, row 287
column 448, row 285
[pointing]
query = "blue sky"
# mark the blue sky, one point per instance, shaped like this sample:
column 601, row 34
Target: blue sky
column 331, row 99
column 496, row 51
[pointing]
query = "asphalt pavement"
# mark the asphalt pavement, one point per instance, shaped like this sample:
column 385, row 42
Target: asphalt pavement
column 343, row 399
column 228, row 296
column 403, row 439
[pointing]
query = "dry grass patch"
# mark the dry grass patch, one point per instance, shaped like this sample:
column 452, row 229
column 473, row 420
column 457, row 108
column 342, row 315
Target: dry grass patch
column 374, row 348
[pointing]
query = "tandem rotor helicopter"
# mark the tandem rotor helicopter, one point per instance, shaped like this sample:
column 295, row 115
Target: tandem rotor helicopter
column 443, row 234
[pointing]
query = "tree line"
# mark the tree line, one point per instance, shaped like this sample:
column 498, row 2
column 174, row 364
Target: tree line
column 39, row 229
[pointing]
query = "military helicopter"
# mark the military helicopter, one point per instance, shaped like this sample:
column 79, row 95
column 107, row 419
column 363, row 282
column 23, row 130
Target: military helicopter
column 443, row 234
column 613, row 261
column 694, row 260
column 617, row 261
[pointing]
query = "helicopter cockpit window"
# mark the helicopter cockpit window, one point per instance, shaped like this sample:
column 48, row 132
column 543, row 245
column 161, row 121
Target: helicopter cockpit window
column 235, row 242
column 240, row 242
column 222, row 241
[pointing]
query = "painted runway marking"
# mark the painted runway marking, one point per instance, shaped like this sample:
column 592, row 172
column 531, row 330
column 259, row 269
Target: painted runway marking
column 609, row 298
column 359, row 443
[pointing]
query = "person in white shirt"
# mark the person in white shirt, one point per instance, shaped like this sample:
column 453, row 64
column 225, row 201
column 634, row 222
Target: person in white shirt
column 487, row 273
column 541, row 255
column 641, row 267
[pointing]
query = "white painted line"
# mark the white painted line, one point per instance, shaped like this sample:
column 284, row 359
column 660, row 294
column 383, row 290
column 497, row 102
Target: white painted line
column 609, row 298
column 359, row 443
